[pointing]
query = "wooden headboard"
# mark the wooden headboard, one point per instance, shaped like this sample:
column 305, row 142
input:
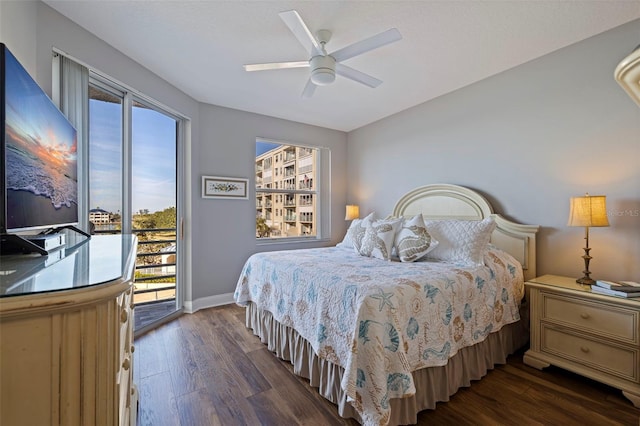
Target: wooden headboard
column 445, row 201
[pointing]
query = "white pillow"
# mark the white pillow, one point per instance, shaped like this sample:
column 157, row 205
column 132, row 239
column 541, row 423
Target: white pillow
column 461, row 241
column 378, row 238
column 357, row 233
column 412, row 240
column 347, row 241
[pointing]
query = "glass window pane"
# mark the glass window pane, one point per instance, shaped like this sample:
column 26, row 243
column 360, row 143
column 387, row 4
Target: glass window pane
column 105, row 160
column 153, row 165
column 153, row 198
column 293, row 169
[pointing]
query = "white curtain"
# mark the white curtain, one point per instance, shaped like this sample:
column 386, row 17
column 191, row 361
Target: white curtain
column 71, row 92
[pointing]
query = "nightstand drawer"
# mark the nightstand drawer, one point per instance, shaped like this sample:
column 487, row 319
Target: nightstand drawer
column 614, row 360
column 608, row 320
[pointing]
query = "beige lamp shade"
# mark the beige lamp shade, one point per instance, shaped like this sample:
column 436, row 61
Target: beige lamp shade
column 590, row 210
column 352, row 212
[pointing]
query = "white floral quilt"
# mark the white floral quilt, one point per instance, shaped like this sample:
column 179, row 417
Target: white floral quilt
column 381, row 320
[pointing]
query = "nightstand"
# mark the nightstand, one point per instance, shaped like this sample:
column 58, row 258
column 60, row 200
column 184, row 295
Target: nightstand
column 594, row 335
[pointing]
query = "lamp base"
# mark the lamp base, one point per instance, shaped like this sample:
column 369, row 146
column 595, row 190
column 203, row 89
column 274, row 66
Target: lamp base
column 585, row 281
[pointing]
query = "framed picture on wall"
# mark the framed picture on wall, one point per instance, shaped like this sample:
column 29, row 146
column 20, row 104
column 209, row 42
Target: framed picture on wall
column 225, row 187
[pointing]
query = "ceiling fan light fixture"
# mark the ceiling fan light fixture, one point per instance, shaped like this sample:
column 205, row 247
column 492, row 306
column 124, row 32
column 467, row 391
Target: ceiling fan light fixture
column 322, row 76
column 323, row 70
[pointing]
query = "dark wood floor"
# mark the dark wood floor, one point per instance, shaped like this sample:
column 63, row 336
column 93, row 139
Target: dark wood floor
column 208, row 369
column 148, row 313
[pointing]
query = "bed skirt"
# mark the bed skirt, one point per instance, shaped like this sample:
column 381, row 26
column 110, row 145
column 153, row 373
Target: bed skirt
column 434, row 384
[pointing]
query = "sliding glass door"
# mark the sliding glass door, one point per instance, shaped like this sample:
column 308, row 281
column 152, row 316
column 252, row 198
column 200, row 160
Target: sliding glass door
column 134, row 188
column 153, row 205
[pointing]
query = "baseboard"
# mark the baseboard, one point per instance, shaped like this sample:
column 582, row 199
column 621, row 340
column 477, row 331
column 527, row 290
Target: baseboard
column 208, row 302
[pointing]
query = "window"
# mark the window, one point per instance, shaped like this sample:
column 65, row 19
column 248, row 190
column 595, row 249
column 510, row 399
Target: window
column 288, row 201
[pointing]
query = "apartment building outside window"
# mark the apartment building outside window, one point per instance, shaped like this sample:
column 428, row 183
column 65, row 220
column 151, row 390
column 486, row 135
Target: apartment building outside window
column 287, row 194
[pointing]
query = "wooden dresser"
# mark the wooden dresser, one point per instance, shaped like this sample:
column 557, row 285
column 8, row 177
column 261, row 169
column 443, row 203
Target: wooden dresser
column 594, row 335
column 66, row 335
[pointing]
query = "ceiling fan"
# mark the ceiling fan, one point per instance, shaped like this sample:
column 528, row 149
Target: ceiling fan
column 324, row 66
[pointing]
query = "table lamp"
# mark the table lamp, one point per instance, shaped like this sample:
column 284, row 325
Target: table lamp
column 352, row 212
column 588, row 211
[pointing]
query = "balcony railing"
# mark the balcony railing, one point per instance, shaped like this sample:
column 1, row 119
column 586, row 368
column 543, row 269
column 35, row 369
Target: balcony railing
column 155, row 265
column 155, row 272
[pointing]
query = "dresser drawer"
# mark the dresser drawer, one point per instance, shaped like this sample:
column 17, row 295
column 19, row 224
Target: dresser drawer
column 614, row 322
column 620, row 361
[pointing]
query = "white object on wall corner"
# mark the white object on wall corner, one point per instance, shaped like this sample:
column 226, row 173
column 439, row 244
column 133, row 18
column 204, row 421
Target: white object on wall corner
column 627, row 74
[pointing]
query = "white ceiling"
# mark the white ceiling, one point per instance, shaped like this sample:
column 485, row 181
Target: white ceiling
column 200, row 47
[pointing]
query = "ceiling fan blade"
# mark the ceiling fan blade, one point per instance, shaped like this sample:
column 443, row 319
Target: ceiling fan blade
column 301, row 31
column 276, row 66
column 367, row 44
column 308, row 89
column 358, row 76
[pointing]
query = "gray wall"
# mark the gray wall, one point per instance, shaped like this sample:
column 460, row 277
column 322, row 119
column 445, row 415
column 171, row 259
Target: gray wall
column 16, row 30
column 528, row 139
column 227, row 149
column 220, row 233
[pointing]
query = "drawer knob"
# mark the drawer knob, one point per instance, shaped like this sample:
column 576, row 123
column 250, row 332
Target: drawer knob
column 584, row 349
column 126, row 364
column 585, row 315
column 124, row 316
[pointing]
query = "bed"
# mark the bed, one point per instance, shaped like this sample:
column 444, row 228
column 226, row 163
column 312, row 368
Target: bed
column 384, row 339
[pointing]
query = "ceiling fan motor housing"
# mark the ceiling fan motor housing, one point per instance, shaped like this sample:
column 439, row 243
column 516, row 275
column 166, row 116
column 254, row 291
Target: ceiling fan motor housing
column 323, row 70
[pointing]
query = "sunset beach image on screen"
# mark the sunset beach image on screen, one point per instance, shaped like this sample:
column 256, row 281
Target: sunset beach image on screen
column 40, row 156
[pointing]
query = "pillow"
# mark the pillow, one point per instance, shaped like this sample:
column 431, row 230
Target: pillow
column 355, row 233
column 347, row 241
column 412, row 240
column 378, row 238
column 461, row 241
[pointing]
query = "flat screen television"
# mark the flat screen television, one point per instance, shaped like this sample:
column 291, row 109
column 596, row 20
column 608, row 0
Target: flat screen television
column 38, row 156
